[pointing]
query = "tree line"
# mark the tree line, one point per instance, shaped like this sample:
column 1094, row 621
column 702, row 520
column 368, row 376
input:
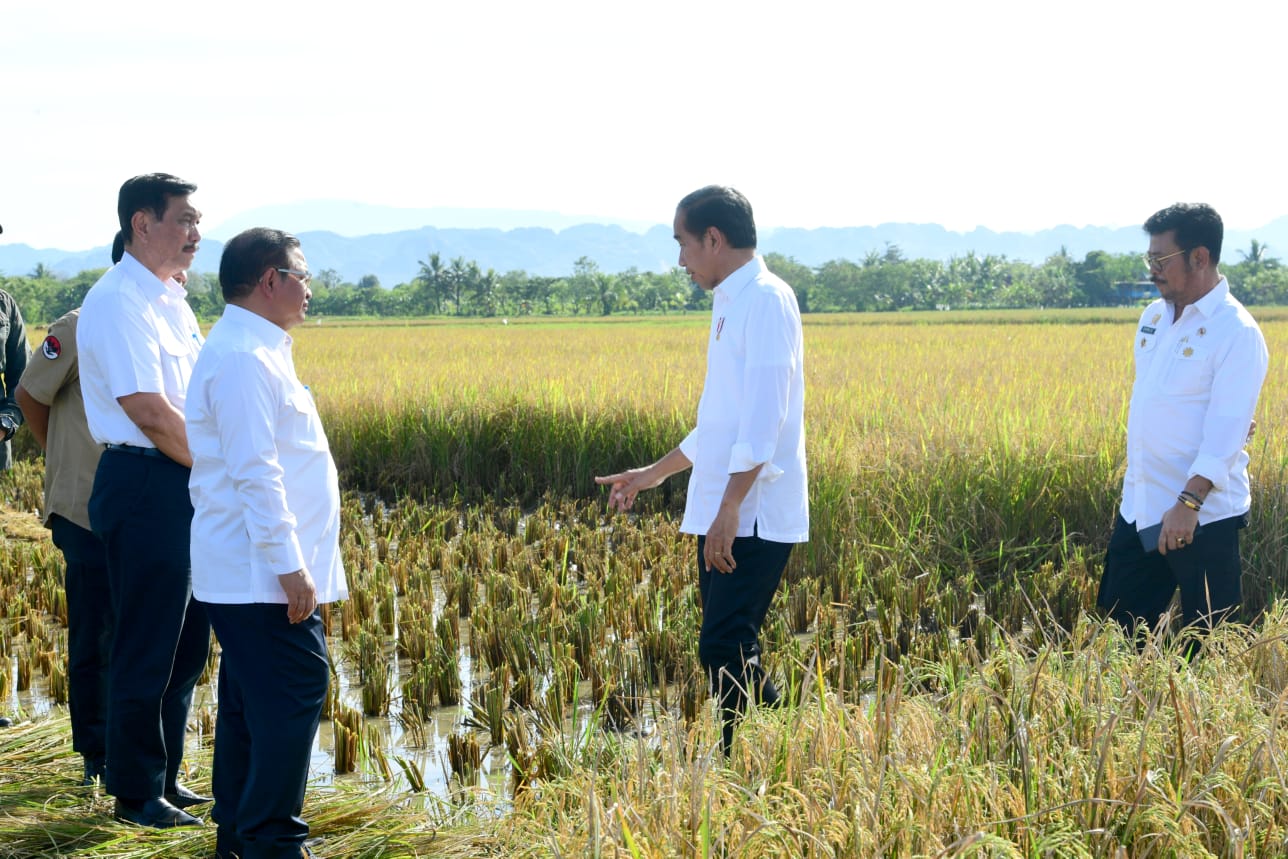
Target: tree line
column 881, row 281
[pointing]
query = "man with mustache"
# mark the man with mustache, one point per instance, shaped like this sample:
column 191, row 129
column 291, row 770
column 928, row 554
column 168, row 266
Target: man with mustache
column 138, row 341
column 1200, row 361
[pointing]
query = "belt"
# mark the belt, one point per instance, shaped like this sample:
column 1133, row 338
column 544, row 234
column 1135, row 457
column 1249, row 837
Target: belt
column 137, row 451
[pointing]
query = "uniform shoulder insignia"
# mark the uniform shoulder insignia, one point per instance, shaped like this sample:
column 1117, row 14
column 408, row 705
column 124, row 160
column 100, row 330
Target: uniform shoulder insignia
column 51, row 348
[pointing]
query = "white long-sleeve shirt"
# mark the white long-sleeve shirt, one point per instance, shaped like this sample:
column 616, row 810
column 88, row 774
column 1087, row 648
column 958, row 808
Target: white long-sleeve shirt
column 264, row 487
column 1197, row 384
column 137, row 335
column 752, row 410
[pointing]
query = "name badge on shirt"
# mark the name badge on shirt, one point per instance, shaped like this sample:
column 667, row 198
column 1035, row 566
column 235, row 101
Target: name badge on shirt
column 1147, row 329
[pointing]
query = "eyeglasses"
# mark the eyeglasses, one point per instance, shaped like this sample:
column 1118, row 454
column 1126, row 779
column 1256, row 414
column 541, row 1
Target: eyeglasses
column 1156, row 263
column 304, row 276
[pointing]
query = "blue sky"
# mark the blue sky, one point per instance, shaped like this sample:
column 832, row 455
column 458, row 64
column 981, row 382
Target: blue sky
column 1010, row 115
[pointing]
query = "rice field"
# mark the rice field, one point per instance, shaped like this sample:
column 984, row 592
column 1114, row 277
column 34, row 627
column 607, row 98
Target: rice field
column 517, row 670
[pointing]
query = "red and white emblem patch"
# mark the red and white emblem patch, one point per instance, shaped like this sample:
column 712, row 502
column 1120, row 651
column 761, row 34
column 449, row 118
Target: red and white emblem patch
column 51, row 348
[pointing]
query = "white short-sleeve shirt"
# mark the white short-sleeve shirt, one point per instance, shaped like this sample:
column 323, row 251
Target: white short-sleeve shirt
column 137, row 335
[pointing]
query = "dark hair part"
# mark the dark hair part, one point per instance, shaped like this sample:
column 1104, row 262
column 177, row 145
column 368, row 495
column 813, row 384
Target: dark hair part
column 118, row 247
column 150, row 192
column 1197, row 225
column 723, row 208
column 247, row 255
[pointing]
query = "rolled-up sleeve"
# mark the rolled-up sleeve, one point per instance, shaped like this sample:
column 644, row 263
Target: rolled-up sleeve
column 1236, row 385
column 689, row 446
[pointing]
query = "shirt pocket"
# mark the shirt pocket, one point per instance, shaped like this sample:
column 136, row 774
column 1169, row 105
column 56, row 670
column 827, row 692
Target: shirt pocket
column 176, row 356
column 305, row 426
column 1189, row 371
column 1145, row 350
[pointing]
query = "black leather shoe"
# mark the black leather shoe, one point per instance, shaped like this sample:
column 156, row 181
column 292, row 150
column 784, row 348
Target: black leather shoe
column 4, row 722
column 180, row 797
column 156, row 813
column 95, row 768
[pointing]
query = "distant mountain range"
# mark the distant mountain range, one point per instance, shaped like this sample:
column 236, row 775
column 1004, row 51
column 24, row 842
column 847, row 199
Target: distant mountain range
column 357, row 240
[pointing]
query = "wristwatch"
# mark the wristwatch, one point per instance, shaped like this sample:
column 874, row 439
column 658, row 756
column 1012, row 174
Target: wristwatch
column 9, row 426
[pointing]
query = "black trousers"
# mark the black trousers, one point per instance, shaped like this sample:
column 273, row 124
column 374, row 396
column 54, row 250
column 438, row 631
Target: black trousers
column 1137, row 586
column 140, row 509
column 272, row 685
column 89, row 634
column 734, row 606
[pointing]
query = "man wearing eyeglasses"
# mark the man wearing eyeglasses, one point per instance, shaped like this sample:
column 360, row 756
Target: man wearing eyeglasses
column 138, row 340
column 1200, row 361
column 265, row 545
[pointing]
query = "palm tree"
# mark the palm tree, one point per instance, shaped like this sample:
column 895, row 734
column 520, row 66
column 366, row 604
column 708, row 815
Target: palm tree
column 430, row 285
column 1255, row 257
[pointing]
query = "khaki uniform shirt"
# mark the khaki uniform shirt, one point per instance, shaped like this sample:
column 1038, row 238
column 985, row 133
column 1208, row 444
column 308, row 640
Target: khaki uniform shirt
column 71, row 457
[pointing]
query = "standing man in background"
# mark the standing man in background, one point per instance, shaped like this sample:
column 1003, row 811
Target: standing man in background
column 748, row 499
column 265, row 545
column 13, row 361
column 138, row 342
column 15, row 342
column 1200, row 362
column 50, row 397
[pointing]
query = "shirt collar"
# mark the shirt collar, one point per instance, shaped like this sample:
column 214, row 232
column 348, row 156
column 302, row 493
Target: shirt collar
column 144, row 277
column 734, row 284
column 268, row 333
column 1208, row 304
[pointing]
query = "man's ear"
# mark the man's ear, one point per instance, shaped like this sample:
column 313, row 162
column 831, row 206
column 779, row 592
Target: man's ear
column 140, row 221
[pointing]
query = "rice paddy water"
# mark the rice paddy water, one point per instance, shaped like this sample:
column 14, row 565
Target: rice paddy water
column 516, row 668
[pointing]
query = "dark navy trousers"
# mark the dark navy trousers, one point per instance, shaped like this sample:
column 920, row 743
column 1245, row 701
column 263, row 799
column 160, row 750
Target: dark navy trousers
column 734, row 606
column 272, row 684
column 89, row 634
column 140, row 509
column 1137, row 586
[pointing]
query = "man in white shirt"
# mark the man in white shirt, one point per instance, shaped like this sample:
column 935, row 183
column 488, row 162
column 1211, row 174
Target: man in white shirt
column 138, row 341
column 265, row 545
column 748, row 498
column 1200, row 362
